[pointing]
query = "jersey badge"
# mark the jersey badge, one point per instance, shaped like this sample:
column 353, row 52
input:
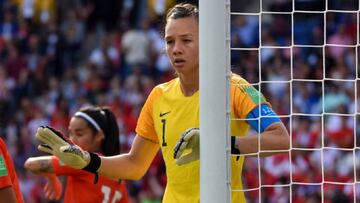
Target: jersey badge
column 3, row 169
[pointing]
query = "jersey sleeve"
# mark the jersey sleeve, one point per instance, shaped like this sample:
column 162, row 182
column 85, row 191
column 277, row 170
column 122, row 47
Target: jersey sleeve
column 145, row 126
column 245, row 97
column 8, row 177
column 5, row 180
column 251, row 105
column 62, row 169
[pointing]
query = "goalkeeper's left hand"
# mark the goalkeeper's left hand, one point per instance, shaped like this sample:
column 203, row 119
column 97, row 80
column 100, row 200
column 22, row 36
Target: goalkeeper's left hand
column 190, row 139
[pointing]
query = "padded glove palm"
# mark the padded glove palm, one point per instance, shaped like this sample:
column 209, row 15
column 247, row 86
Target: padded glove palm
column 190, row 139
column 54, row 142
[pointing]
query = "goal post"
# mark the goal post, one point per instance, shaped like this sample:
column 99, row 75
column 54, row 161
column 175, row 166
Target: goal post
column 304, row 57
column 214, row 101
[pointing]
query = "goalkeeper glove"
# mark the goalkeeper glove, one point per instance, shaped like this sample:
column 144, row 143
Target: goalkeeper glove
column 54, row 142
column 189, row 140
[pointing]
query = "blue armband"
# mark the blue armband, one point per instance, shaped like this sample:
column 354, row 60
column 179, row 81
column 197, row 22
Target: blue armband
column 267, row 117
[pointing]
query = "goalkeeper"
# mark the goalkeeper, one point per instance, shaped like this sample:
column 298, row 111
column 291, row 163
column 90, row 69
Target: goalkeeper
column 169, row 120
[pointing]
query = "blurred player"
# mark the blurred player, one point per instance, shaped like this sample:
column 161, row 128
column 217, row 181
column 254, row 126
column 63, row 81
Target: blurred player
column 9, row 185
column 96, row 130
column 170, row 120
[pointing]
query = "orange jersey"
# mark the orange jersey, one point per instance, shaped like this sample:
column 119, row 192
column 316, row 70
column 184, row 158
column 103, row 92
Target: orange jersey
column 8, row 176
column 80, row 187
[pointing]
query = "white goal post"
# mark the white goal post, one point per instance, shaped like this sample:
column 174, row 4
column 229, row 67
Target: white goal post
column 214, row 101
column 304, row 56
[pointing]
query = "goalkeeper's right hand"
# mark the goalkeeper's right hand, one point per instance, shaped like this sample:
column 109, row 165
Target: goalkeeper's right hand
column 54, row 142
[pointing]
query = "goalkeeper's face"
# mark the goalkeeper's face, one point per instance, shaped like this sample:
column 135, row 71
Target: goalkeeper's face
column 82, row 135
column 182, row 44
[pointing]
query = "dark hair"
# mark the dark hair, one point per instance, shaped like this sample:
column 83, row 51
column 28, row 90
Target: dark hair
column 183, row 10
column 107, row 122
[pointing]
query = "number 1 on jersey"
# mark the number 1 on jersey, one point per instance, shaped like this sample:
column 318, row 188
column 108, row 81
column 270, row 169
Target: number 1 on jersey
column 163, row 121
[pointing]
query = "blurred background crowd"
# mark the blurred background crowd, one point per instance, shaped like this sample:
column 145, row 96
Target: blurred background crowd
column 58, row 56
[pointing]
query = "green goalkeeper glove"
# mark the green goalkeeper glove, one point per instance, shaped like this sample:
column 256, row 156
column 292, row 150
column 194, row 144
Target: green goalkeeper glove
column 190, row 139
column 54, row 142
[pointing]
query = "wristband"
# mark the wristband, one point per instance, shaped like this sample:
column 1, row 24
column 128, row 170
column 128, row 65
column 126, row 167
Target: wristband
column 93, row 166
column 234, row 150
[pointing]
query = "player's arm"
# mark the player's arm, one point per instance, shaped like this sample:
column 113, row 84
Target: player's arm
column 39, row 165
column 275, row 137
column 8, row 194
column 272, row 136
column 42, row 165
column 272, row 133
column 132, row 165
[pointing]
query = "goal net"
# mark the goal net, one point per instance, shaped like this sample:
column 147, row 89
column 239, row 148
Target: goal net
column 302, row 55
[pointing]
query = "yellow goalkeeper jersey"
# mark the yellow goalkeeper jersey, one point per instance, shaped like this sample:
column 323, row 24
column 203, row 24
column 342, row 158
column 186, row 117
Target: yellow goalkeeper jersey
column 167, row 113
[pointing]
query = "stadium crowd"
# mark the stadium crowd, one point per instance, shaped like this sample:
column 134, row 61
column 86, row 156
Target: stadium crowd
column 58, row 56
column 312, row 77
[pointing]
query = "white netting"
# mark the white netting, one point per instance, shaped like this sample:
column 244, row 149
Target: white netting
column 303, row 56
